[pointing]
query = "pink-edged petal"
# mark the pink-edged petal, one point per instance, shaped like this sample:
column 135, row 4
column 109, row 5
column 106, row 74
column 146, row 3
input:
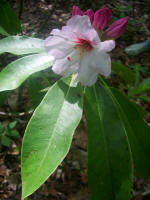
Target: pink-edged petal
column 76, row 11
column 81, row 25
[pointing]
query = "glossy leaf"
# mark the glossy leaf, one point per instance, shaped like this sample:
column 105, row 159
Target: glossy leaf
column 138, row 133
column 109, row 158
column 20, row 45
column 9, row 22
column 16, row 72
column 126, row 74
column 49, row 134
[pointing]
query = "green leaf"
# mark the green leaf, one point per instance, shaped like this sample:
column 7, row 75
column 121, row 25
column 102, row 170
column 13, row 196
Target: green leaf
column 143, row 113
column 20, row 45
column 109, row 159
column 9, row 23
column 3, row 97
column 1, row 128
column 126, row 74
column 3, row 32
column 12, row 124
column 49, row 134
column 145, row 98
column 144, row 86
column 5, row 141
column 35, row 86
column 136, row 49
column 16, row 72
column 14, row 134
column 138, row 133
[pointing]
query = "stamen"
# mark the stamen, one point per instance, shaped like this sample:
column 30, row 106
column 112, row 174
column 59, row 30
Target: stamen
column 83, row 44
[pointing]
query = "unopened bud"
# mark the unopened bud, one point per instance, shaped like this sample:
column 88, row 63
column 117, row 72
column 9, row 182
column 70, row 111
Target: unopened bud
column 102, row 18
column 76, row 11
column 117, row 28
column 89, row 13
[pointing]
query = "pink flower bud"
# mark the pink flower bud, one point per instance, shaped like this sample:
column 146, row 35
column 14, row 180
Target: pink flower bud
column 89, row 13
column 117, row 28
column 76, row 11
column 102, row 18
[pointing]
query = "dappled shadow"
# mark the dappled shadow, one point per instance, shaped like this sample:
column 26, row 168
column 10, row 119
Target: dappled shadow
column 72, row 94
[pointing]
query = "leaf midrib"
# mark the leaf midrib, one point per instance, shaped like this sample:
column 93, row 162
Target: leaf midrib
column 53, row 131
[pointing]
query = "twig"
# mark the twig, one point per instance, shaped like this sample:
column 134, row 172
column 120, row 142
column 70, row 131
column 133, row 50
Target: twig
column 18, row 114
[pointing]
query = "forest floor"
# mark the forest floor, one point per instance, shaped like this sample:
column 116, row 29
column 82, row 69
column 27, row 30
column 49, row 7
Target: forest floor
column 69, row 181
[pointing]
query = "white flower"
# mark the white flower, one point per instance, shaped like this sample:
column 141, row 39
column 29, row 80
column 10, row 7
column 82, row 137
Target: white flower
column 77, row 49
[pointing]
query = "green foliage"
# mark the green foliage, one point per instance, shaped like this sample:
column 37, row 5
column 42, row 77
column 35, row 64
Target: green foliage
column 145, row 98
column 20, row 45
column 38, row 84
column 117, row 134
column 9, row 22
column 115, row 123
column 35, row 87
column 7, row 133
column 138, row 133
column 142, row 87
column 131, row 80
column 49, row 133
column 3, row 97
column 125, row 73
column 109, row 158
column 139, row 68
column 19, row 70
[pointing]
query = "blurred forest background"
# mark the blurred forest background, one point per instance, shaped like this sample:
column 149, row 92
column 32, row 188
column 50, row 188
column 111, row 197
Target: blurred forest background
column 38, row 18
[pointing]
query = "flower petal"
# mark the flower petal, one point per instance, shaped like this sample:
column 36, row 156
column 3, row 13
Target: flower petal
column 67, row 65
column 86, row 75
column 81, row 25
column 101, row 63
column 58, row 47
column 107, row 46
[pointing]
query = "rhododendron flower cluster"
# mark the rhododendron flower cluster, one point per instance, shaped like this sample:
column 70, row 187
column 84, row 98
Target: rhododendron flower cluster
column 79, row 47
